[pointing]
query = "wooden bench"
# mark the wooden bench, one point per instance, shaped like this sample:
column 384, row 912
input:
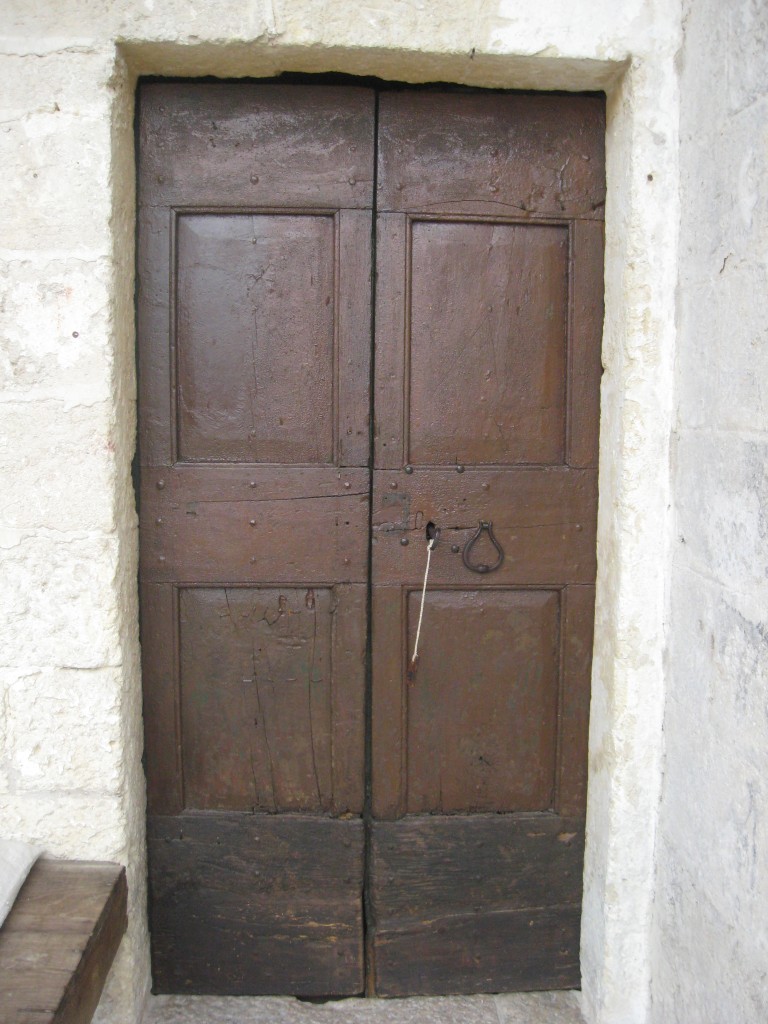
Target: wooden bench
column 59, row 941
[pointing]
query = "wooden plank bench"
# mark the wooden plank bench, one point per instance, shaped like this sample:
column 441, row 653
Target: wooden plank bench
column 59, row 940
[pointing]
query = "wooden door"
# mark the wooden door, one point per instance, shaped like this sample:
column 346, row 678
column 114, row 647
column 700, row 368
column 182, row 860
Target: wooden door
column 488, row 323
column 274, row 861
column 254, row 307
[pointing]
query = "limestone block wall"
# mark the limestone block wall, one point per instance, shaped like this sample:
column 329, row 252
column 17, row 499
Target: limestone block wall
column 70, row 705
column 70, row 747
column 711, row 913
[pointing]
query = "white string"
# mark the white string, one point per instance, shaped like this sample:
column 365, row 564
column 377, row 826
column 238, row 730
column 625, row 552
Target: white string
column 430, row 545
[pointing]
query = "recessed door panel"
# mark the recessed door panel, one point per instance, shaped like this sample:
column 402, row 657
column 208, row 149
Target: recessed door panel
column 258, row 670
column 267, row 278
column 487, row 344
column 482, row 714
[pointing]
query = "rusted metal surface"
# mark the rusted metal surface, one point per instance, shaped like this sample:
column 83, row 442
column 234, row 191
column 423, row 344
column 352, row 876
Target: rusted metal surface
column 255, row 259
column 483, row 530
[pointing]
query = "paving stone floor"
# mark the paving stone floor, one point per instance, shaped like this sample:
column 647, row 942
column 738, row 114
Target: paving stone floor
column 518, row 1008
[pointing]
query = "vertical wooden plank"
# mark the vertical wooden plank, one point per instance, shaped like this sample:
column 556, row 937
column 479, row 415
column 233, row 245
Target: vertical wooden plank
column 578, row 629
column 348, row 699
column 159, row 660
column 154, row 332
column 391, row 255
column 389, row 701
column 585, row 342
column 354, row 337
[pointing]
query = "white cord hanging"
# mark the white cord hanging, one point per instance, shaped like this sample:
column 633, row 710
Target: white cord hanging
column 412, row 666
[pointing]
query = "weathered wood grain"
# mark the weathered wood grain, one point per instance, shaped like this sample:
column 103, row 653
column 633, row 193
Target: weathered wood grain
column 59, row 941
column 487, row 394
column 256, row 904
column 545, row 519
column 532, row 156
column 233, row 144
column 476, row 903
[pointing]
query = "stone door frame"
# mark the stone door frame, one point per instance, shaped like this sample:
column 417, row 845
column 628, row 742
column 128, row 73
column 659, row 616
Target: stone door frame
column 636, row 419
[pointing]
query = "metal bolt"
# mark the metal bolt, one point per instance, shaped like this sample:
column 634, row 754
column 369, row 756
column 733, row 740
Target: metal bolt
column 393, row 485
column 404, row 541
column 160, row 485
column 347, row 484
column 254, row 178
column 161, row 558
column 579, row 527
column 485, row 487
column 455, row 549
column 353, row 181
column 253, row 559
column 159, row 520
column 409, row 470
column 459, row 469
column 252, row 522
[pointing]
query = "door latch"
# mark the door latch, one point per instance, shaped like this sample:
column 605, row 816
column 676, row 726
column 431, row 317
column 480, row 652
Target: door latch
column 482, row 567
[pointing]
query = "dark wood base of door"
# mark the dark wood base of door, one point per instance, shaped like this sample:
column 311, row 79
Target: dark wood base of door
column 487, row 903
column 256, row 904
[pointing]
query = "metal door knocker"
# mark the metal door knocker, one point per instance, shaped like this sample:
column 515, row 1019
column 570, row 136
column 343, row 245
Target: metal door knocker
column 481, row 566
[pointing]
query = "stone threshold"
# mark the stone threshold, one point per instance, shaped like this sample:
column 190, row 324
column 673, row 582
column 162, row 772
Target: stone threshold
column 515, row 1008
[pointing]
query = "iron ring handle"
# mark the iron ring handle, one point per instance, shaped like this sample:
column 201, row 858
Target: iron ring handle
column 481, row 567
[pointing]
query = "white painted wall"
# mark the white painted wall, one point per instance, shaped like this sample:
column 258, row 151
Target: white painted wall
column 710, row 953
column 70, row 745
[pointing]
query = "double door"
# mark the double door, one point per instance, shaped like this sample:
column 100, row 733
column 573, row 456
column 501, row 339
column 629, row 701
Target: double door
column 362, row 313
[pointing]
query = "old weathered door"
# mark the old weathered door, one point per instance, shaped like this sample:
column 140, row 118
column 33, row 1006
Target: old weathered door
column 254, row 304
column 277, row 859
column 488, row 319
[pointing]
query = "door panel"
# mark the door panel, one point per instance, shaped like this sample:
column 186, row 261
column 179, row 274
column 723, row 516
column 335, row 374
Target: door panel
column 487, row 378
column 273, row 275
column 472, row 744
column 254, row 317
column 482, row 903
column 486, row 350
column 249, row 903
column 271, row 517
